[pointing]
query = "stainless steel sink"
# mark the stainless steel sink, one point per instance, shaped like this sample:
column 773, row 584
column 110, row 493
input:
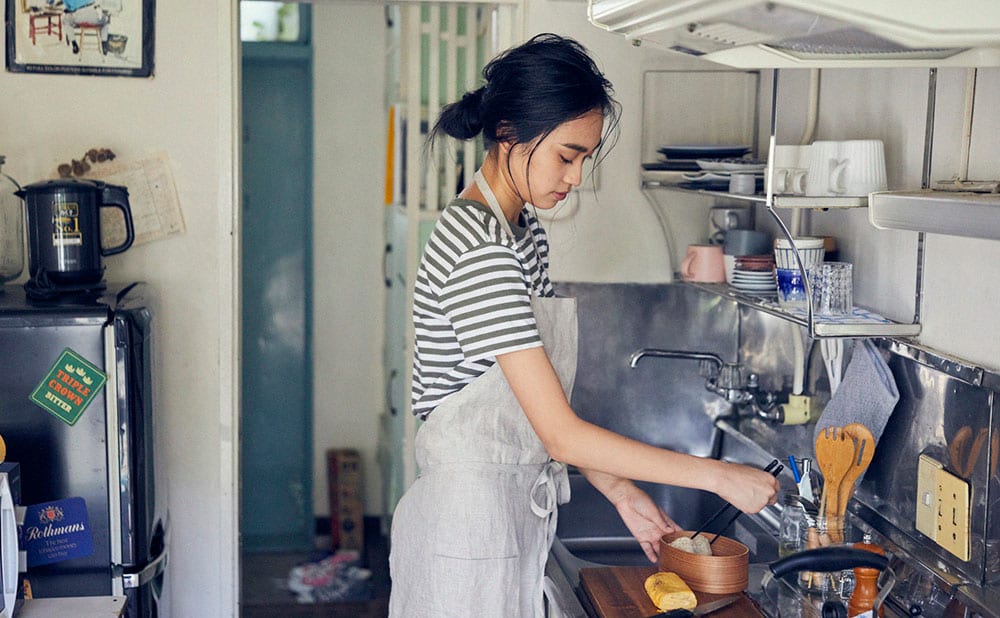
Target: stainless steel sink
column 590, row 532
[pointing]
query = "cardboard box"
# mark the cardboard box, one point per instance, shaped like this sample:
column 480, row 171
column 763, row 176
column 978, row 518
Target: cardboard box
column 343, row 468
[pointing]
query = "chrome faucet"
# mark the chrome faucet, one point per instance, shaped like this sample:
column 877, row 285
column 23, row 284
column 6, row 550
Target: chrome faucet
column 724, row 379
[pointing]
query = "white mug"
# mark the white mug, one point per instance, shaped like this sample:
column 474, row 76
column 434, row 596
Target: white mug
column 825, row 168
column 864, row 170
column 721, row 219
column 742, row 183
column 790, row 164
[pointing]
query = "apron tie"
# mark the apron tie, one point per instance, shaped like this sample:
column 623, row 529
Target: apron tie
column 551, row 489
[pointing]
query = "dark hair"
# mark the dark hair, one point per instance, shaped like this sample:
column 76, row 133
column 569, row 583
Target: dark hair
column 530, row 90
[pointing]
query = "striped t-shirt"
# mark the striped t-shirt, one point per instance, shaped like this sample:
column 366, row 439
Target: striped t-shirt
column 471, row 300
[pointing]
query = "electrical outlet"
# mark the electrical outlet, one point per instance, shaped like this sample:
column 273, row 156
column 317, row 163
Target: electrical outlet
column 953, row 515
column 942, row 511
column 927, row 495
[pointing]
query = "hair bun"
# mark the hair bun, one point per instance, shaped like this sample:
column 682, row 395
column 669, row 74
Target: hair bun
column 461, row 118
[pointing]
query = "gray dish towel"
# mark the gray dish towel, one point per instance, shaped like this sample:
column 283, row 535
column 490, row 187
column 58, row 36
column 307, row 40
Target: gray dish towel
column 867, row 394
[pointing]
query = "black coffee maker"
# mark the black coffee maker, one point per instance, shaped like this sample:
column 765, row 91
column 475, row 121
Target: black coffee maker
column 64, row 234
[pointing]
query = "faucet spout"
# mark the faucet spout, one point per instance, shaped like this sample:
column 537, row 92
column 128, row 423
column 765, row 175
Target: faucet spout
column 683, row 354
column 727, row 380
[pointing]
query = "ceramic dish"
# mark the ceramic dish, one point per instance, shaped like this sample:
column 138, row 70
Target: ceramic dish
column 760, row 289
column 731, row 165
column 703, row 151
column 751, row 283
column 753, row 275
column 708, row 177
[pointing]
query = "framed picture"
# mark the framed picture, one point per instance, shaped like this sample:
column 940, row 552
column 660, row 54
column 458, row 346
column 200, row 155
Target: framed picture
column 83, row 37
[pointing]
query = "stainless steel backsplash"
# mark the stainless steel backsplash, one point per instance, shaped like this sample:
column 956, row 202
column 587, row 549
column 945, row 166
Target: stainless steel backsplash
column 664, row 402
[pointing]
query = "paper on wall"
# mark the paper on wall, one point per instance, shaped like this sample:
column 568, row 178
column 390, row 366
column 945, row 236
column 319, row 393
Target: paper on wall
column 156, row 211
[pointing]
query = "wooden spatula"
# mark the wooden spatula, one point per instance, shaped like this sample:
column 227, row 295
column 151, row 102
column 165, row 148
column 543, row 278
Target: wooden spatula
column 862, row 457
column 834, row 454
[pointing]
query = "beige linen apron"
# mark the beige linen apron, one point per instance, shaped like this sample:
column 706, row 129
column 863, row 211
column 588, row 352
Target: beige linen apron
column 472, row 535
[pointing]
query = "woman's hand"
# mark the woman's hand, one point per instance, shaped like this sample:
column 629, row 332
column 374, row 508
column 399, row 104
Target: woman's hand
column 644, row 518
column 746, row 488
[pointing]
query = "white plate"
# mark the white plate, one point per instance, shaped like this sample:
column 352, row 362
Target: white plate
column 754, row 288
column 731, row 165
column 707, row 177
column 750, row 276
column 754, row 281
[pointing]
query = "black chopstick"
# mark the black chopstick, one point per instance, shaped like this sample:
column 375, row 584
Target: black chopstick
column 775, row 470
column 770, row 468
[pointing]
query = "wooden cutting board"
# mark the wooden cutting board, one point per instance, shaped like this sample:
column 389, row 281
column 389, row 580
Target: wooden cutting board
column 618, row 592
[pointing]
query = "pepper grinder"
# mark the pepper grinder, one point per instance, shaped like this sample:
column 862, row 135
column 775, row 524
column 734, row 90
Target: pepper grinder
column 865, row 583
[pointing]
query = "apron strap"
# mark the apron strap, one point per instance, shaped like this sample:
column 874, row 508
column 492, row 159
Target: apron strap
column 492, row 202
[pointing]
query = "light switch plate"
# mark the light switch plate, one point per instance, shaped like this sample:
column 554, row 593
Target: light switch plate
column 927, row 495
column 953, row 515
column 943, row 510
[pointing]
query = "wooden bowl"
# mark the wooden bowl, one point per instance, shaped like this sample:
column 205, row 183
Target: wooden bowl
column 726, row 571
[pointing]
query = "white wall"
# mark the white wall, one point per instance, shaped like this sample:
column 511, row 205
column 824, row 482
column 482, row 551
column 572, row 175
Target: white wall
column 348, row 241
column 187, row 111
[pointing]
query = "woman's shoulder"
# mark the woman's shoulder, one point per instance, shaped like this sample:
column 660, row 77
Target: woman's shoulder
column 467, row 224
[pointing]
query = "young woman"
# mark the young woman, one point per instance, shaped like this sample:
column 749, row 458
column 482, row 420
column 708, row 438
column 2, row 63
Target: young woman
column 495, row 359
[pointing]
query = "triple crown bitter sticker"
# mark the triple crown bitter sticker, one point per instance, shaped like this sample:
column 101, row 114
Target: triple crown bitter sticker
column 69, row 387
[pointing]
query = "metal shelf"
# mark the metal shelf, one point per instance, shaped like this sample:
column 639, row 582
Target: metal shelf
column 860, row 323
column 670, row 180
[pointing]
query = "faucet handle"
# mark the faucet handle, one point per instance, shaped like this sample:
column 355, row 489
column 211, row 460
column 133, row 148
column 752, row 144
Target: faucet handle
column 707, row 369
column 731, row 376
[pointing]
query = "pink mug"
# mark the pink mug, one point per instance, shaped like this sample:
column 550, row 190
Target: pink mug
column 704, row 263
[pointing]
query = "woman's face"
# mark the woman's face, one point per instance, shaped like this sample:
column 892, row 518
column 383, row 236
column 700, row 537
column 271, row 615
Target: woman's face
column 556, row 162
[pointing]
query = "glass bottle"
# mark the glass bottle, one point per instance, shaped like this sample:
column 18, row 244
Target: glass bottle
column 11, row 228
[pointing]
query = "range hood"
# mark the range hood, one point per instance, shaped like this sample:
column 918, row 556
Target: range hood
column 812, row 33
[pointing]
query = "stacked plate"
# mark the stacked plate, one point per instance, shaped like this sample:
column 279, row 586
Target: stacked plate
column 754, row 274
column 686, row 158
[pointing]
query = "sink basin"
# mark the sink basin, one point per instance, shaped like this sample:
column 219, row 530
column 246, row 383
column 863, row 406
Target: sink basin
column 590, row 529
column 591, row 534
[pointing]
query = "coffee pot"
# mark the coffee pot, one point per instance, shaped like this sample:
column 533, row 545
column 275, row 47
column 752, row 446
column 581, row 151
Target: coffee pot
column 64, row 231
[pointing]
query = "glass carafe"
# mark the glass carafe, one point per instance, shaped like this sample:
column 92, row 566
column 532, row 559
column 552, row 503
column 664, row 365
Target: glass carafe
column 11, row 228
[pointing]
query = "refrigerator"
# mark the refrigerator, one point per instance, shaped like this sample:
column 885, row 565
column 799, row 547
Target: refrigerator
column 105, row 454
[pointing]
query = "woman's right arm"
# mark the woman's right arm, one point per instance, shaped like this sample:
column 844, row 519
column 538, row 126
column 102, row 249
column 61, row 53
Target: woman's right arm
column 572, row 440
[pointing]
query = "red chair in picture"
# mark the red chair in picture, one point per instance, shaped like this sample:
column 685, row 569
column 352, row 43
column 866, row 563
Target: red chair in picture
column 48, row 23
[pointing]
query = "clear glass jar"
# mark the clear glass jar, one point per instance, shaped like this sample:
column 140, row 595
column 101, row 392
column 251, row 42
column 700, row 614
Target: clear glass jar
column 792, row 531
column 11, row 228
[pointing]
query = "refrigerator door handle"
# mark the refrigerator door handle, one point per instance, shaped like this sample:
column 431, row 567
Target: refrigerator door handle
column 136, row 579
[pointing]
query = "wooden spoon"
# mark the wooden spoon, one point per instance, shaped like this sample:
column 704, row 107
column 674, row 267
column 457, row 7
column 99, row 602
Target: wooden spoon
column 835, row 455
column 862, row 457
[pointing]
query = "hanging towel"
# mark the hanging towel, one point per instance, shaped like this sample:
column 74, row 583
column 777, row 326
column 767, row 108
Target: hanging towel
column 867, row 393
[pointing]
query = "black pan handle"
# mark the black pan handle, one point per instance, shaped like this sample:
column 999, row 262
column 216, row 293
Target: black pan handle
column 828, row 559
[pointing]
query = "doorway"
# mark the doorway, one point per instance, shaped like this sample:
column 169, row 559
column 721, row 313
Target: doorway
column 276, row 451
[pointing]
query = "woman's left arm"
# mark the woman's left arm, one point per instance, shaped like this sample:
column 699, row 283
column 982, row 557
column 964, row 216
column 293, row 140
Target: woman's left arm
column 644, row 518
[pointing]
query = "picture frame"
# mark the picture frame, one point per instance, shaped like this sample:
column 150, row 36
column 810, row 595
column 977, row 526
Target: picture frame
column 80, row 37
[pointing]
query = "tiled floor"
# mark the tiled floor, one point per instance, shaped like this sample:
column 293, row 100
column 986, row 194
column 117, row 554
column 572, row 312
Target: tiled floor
column 264, row 575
